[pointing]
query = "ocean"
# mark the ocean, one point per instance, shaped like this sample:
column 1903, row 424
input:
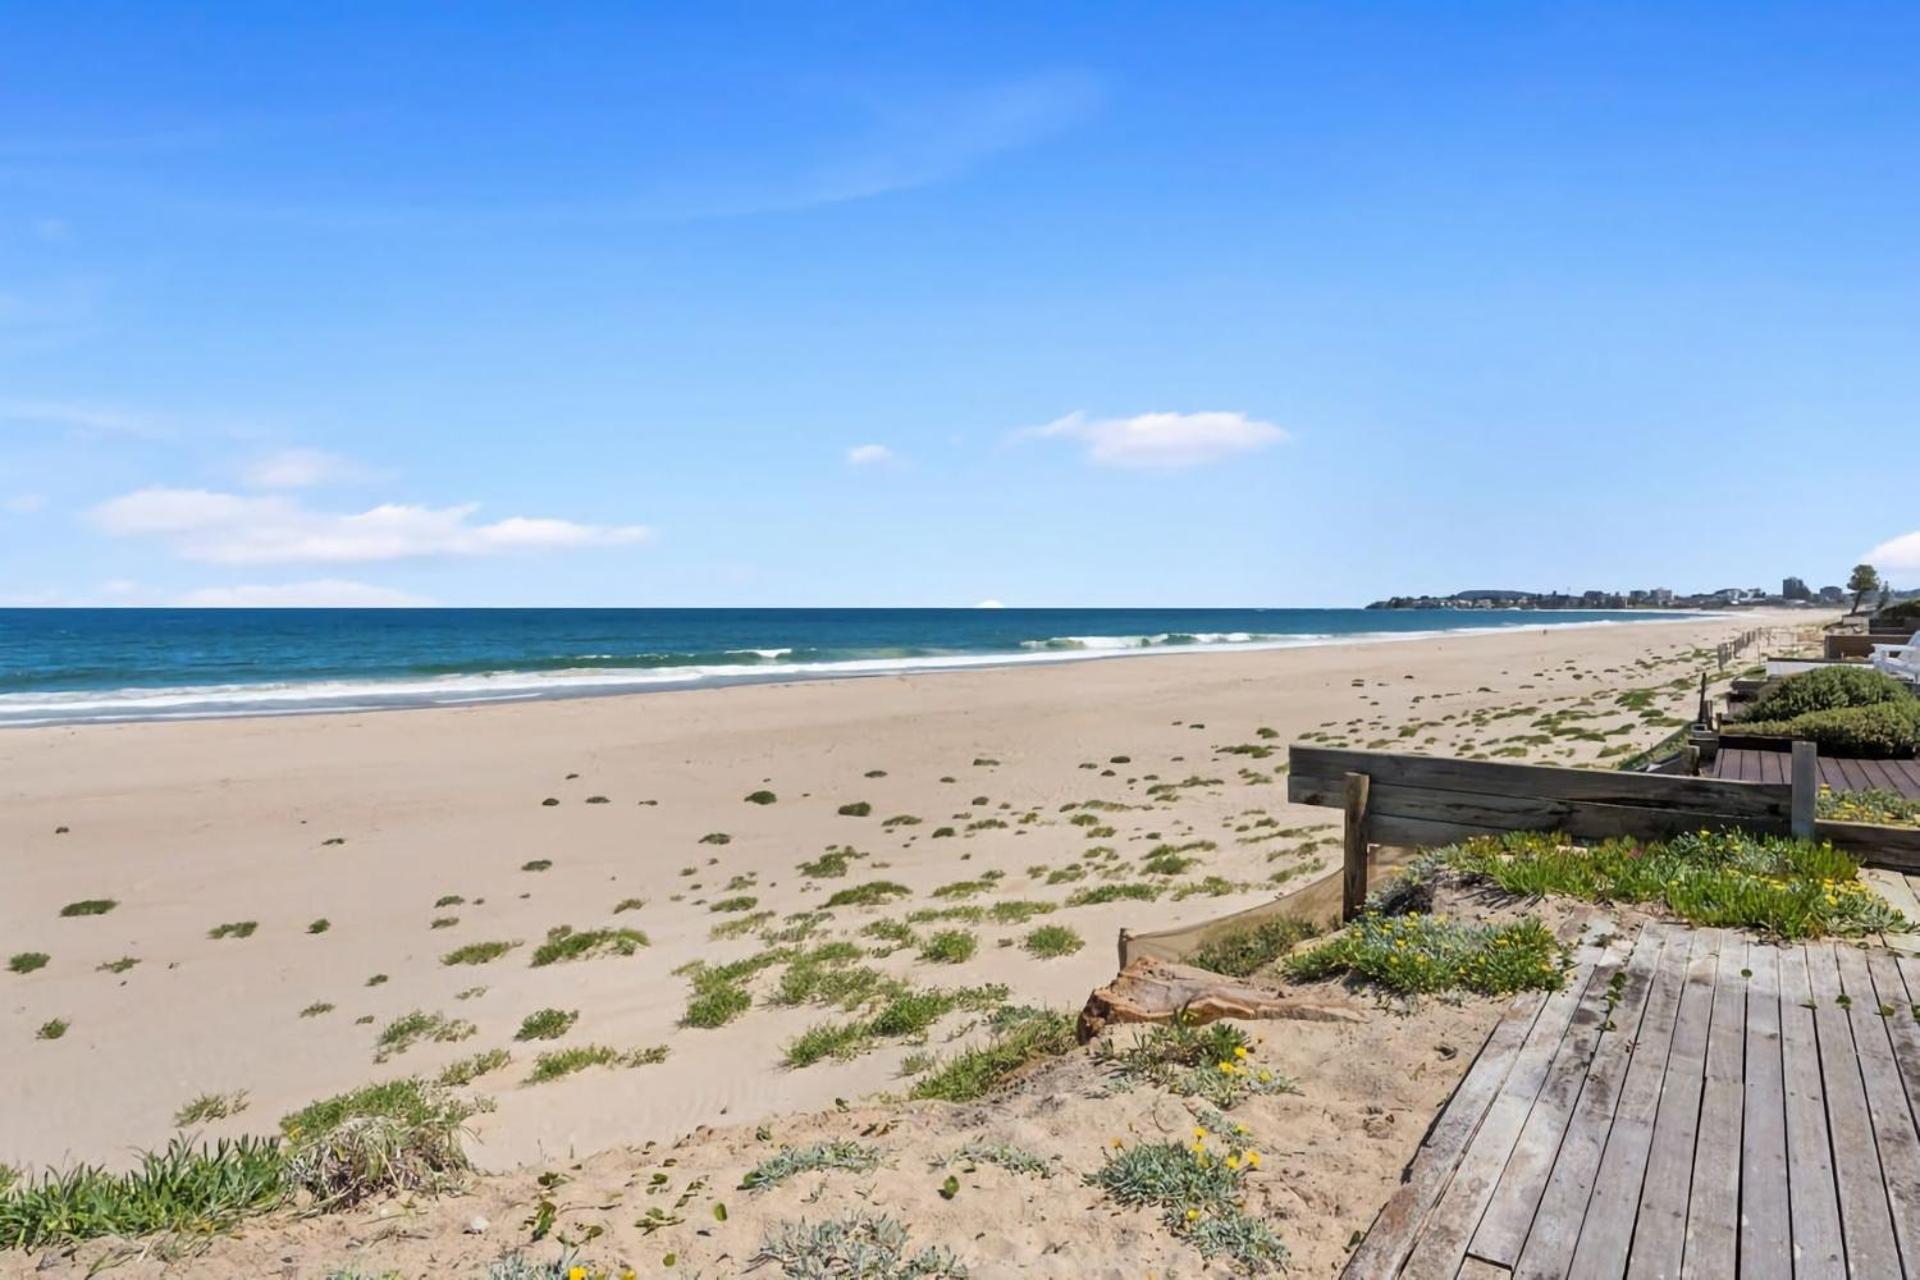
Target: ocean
column 79, row 665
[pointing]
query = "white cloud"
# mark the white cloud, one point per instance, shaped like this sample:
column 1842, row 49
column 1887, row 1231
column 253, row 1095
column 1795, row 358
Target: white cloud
column 1897, row 555
column 226, row 528
column 1164, row 441
column 85, row 420
column 301, row 469
column 321, row 593
column 23, row 504
column 989, row 604
column 867, row 455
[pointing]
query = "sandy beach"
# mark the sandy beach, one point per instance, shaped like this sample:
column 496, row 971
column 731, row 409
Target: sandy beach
column 413, row 834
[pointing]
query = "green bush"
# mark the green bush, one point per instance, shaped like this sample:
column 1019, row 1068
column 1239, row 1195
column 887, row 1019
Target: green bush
column 1904, row 614
column 1245, row 952
column 1827, row 689
column 1885, row 730
column 1416, row 953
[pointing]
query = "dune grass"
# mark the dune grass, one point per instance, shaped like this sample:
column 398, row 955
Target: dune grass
column 89, row 907
column 1244, row 952
column 949, row 946
column 210, row 1106
column 855, row 1157
column 1052, row 941
column 478, row 952
column 558, row 1063
column 547, row 1024
column 27, row 961
column 1022, row 1036
column 237, row 929
column 871, row 894
column 564, row 944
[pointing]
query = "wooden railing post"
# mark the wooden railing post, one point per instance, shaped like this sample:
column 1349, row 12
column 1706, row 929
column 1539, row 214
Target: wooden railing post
column 1353, row 889
column 1806, row 788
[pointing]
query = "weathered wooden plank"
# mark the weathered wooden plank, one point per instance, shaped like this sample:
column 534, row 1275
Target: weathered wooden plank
column 1353, row 884
column 1391, row 1236
column 1903, row 1024
column 1804, row 774
column 1602, row 786
column 1556, row 1226
column 1713, row 1208
column 1888, row 1107
column 1443, row 1244
column 1503, row 1228
column 1818, row 1250
column 1607, row 1234
column 1659, row 1238
column 1519, row 811
column 1766, row 1234
column 1478, row 1269
column 1865, row 1222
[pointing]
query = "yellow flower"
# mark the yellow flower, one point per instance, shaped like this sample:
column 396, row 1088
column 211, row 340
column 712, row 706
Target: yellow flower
column 1240, row 1052
column 1226, row 1068
column 1253, row 1159
column 1233, row 1162
column 1193, row 1215
column 1199, row 1132
column 576, row 1273
column 1118, row 1143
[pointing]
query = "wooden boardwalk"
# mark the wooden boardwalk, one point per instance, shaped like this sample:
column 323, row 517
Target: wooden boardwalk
column 1695, row 1103
column 1745, row 764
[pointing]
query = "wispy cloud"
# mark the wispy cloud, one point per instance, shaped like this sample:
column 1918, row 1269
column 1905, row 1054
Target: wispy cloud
column 226, row 528
column 320, row 593
column 23, row 504
column 90, row 420
column 302, row 469
column 1164, row 441
column 869, row 455
column 1897, row 555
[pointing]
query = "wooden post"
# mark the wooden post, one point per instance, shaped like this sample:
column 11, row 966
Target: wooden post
column 1125, row 933
column 1690, row 761
column 1353, row 888
column 1806, row 788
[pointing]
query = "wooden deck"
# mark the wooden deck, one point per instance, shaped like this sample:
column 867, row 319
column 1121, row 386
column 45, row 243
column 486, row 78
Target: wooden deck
column 1746, row 764
column 1693, row 1104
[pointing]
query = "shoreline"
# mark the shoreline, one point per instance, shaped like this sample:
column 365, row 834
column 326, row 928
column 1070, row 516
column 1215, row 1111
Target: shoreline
column 401, row 693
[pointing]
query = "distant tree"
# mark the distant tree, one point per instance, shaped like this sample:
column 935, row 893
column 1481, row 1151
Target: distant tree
column 1864, row 579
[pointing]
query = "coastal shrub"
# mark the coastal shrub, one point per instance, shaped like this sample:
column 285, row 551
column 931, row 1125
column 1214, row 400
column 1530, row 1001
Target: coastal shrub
column 52, row 1029
column 716, row 837
column 28, row 961
column 1244, row 952
column 1881, row 807
column 320, row 926
column 1214, row 1062
column 1021, row 1039
column 1904, row 614
column 478, row 952
column 857, row 809
column 871, row 1246
column 1886, row 730
column 1052, row 941
column 238, row 929
column 89, row 907
column 855, row 1157
column 565, row 943
column 537, row 864
column 398, row 1136
column 761, row 797
column 409, row 1029
column 1018, row 911
column 1826, row 689
column 949, row 946
column 629, row 904
column 547, row 1024
column 1007, row 1156
column 871, row 894
column 1417, row 954
column 1125, row 892
column 121, row 965
column 1731, row 879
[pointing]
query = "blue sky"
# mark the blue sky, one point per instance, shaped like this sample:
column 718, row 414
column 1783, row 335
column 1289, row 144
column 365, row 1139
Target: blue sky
column 924, row 305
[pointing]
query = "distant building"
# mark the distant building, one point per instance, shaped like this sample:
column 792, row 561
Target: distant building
column 1832, row 595
column 1661, row 595
column 1795, row 589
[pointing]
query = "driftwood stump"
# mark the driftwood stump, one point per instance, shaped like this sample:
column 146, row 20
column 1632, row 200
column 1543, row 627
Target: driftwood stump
column 1150, row 990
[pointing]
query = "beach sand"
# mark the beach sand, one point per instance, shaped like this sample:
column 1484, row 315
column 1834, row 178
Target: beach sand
column 368, row 821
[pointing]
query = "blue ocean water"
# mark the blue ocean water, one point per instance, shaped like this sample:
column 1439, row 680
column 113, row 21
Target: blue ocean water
column 69, row 665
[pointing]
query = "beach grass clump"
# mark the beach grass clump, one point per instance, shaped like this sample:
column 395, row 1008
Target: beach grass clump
column 237, row 929
column 319, row 926
column 854, row 1157
column 761, row 797
column 557, row 1063
column 478, row 952
column 949, row 946
column 832, row 864
column 907, row 1013
column 719, row 991
column 964, row 888
column 210, row 1106
column 547, row 1024
column 893, row 935
column 871, row 894
column 27, row 961
column 901, row 820
column 829, row 1040
column 398, row 1136
column 716, row 837
column 740, row 926
column 121, row 965
column 1005, row 1155
column 872, row 1246
column 317, row 1008
column 1199, row 1190
column 411, row 1028
column 1021, row 1037
column 1416, row 954
column 855, row 809
column 1731, row 879
column 52, row 1029
column 564, row 943
column 1019, row 911
column 744, row 902
column 927, row 915
column 463, row 1072
column 446, row 900
column 537, row 864
column 89, row 907
column 188, row 1189
column 1052, row 941
column 1244, row 952
column 1215, row 1062
column 1120, row 892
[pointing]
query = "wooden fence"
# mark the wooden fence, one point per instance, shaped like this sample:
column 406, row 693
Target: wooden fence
column 1391, row 798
